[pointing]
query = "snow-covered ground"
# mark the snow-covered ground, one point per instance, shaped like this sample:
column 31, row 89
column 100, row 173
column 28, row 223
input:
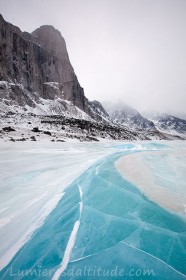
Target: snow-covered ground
column 33, row 178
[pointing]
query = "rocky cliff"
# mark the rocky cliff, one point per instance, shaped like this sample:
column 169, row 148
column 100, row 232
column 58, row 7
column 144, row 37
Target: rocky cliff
column 36, row 67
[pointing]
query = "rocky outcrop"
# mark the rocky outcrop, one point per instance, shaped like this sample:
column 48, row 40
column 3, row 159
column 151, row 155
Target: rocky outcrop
column 36, row 66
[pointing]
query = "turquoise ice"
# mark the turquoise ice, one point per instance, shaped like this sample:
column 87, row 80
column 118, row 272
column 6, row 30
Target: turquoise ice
column 121, row 234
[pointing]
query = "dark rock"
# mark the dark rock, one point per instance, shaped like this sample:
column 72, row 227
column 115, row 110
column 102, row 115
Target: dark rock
column 12, row 139
column 90, row 138
column 47, row 132
column 22, row 139
column 8, row 129
column 33, row 138
column 10, row 113
column 60, row 140
column 36, row 129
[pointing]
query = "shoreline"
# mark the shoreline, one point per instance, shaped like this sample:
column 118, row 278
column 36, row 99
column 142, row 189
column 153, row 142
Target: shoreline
column 135, row 169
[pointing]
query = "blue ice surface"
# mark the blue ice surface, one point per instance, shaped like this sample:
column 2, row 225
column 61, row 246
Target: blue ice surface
column 145, row 146
column 122, row 234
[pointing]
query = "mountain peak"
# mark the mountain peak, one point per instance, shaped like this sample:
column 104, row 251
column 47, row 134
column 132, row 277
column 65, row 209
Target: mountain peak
column 51, row 39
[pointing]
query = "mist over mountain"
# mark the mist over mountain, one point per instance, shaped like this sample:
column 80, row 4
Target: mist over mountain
column 128, row 50
column 38, row 86
column 120, row 113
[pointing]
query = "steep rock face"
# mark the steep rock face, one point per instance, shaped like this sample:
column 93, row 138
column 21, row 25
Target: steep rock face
column 38, row 66
column 49, row 38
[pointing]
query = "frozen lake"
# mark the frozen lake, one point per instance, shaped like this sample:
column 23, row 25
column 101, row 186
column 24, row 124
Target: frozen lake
column 67, row 212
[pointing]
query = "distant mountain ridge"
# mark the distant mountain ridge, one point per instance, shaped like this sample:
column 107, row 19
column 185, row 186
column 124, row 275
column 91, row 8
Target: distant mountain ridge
column 122, row 114
column 167, row 122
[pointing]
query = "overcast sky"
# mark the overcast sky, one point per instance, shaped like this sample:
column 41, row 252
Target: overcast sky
column 130, row 50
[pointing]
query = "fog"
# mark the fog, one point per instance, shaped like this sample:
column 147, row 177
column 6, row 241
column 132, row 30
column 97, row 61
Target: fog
column 128, row 50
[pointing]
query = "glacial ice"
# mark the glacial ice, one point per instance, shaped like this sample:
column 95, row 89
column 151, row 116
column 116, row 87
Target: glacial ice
column 103, row 224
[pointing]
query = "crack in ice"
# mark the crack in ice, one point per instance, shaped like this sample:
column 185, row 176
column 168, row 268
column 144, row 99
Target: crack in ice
column 71, row 241
column 146, row 253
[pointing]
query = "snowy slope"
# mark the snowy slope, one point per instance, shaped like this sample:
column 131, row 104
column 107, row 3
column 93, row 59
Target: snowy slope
column 122, row 114
column 32, row 103
column 167, row 123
